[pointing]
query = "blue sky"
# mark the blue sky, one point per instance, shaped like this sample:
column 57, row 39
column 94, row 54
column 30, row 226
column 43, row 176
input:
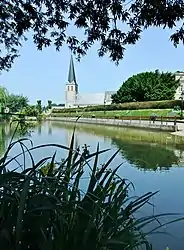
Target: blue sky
column 42, row 75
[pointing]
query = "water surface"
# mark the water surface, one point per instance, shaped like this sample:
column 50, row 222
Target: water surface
column 153, row 161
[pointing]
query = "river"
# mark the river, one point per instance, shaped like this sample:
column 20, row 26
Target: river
column 153, row 161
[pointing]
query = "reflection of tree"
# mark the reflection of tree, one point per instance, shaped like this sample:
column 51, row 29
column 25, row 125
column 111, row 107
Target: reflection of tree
column 2, row 139
column 39, row 129
column 6, row 133
column 49, row 128
column 146, row 156
column 146, row 150
column 50, row 131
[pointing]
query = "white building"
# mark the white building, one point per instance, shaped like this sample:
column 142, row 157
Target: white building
column 179, row 75
column 75, row 99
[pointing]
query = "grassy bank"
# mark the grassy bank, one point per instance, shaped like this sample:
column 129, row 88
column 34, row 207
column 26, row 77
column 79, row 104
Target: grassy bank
column 113, row 113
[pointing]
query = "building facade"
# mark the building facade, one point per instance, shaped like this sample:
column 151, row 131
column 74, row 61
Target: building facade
column 179, row 75
column 75, row 99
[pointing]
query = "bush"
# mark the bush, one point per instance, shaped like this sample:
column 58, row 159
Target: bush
column 170, row 104
column 44, row 208
column 30, row 111
column 177, row 108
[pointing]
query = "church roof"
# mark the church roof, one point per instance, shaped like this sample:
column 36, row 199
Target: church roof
column 71, row 74
column 91, row 99
column 108, row 95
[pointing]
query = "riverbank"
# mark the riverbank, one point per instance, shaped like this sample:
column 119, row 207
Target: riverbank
column 133, row 135
column 158, row 125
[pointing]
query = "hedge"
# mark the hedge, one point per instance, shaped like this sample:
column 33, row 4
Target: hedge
column 124, row 106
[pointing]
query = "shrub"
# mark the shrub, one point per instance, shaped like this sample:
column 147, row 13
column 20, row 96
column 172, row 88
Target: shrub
column 177, row 108
column 124, row 106
column 30, row 110
column 44, row 208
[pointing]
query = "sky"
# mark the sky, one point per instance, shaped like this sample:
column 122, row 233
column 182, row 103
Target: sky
column 43, row 74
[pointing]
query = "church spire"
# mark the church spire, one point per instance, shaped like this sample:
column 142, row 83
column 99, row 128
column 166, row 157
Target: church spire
column 71, row 74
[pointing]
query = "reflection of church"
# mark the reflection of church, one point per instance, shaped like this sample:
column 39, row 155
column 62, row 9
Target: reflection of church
column 75, row 99
column 68, row 138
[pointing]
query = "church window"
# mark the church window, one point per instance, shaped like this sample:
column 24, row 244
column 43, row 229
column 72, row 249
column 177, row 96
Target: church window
column 68, row 88
column 71, row 88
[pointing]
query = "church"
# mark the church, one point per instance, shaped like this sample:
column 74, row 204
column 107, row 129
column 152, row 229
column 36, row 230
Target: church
column 73, row 98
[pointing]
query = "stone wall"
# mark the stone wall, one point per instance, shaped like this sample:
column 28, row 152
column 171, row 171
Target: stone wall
column 158, row 125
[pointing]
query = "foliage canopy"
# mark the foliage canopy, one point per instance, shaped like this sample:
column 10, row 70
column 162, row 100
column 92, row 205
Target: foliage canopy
column 3, row 96
column 113, row 23
column 49, row 106
column 30, row 110
column 147, row 86
column 16, row 102
column 39, row 106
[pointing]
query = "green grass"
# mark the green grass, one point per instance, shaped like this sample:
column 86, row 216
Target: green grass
column 141, row 112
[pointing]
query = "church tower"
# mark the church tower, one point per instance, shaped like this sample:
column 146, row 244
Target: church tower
column 71, row 88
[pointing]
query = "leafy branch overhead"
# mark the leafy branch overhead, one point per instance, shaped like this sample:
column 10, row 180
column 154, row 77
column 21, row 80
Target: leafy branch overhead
column 113, row 23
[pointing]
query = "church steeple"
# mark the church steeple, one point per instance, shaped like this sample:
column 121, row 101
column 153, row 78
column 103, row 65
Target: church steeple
column 71, row 87
column 71, row 74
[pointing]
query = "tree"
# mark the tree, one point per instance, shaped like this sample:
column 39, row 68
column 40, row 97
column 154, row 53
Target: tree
column 3, row 96
column 101, row 21
column 16, row 103
column 39, row 106
column 30, row 110
column 49, row 104
column 147, row 86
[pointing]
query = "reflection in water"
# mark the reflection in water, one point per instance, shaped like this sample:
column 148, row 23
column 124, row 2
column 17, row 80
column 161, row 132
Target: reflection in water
column 50, row 131
column 39, row 129
column 5, row 133
column 146, row 156
column 68, row 139
column 2, row 139
column 49, row 128
column 143, row 149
